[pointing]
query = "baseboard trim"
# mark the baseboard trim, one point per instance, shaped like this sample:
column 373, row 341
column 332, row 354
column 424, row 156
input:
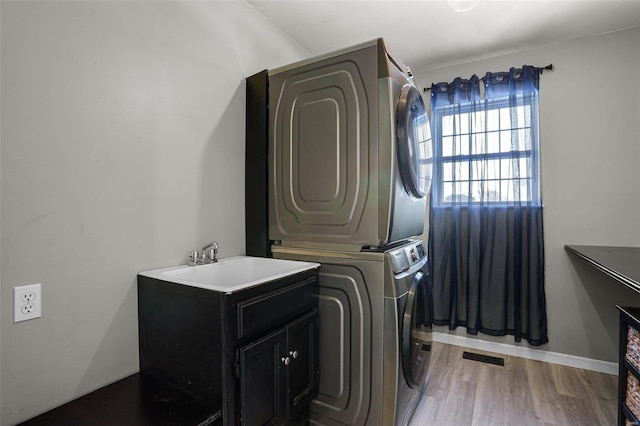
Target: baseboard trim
column 528, row 353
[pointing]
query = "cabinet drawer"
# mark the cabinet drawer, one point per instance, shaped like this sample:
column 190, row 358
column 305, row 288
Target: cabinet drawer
column 633, row 347
column 272, row 309
column 633, row 395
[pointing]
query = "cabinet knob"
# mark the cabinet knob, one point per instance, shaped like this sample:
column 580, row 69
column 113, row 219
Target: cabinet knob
column 286, row 360
column 294, row 354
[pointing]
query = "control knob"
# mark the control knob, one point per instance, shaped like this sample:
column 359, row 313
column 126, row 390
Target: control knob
column 413, row 255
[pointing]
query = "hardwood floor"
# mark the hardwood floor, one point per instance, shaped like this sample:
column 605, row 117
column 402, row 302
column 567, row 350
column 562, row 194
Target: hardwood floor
column 522, row 392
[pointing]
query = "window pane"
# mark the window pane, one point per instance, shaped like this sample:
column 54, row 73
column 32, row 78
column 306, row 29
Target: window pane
column 524, row 138
column 505, row 118
column 514, row 168
column 505, row 141
column 447, row 190
column 478, row 144
column 455, row 192
column 447, row 172
column 493, row 191
column 506, row 190
column 510, row 168
column 463, row 190
column 477, row 190
column 525, row 190
column 485, row 169
column 478, row 170
column 494, row 169
column 447, row 146
column 515, row 190
column 493, row 142
column 463, row 145
column 493, row 120
column 455, row 145
column 523, row 114
column 465, row 123
column 479, row 121
column 456, row 125
column 458, row 170
column 447, row 125
column 525, row 167
column 488, row 190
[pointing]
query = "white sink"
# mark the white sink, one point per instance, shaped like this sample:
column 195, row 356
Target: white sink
column 231, row 274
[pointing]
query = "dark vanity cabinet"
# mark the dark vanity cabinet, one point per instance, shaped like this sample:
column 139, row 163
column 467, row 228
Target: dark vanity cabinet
column 282, row 361
column 251, row 354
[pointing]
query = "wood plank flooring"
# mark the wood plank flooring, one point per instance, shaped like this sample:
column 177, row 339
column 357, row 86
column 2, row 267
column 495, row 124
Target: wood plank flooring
column 522, row 392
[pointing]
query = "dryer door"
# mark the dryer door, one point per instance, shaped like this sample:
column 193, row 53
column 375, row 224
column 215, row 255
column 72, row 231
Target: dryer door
column 415, row 149
column 416, row 352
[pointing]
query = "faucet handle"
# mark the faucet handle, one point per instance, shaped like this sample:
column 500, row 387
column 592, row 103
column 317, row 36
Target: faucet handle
column 194, row 258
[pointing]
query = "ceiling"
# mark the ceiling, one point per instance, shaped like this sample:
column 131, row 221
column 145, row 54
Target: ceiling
column 428, row 34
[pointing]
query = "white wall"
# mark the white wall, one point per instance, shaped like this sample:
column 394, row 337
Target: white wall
column 590, row 156
column 122, row 150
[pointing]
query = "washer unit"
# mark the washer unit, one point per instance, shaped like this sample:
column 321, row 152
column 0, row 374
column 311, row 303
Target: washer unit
column 375, row 333
column 349, row 149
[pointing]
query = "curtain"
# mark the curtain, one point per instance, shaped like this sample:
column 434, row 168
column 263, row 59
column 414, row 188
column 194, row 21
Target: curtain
column 486, row 251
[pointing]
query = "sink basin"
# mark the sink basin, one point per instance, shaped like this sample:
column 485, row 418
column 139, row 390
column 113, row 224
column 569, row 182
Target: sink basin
column 231, row 274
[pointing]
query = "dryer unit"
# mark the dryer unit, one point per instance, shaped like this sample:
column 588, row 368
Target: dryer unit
column 349, row 150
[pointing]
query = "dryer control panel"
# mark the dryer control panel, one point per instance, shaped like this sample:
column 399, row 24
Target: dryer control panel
column 405, row 257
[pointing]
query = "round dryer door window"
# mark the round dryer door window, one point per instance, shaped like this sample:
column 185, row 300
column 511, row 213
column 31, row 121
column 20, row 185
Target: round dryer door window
column 415, row 148
column 416, row 353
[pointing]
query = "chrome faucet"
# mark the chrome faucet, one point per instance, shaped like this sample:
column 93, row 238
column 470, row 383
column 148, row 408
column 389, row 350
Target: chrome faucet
column 209, row 255
column 210, row 252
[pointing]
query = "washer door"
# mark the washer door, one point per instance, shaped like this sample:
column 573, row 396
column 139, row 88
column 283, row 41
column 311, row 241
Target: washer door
column 416, row 353
column 415, row 148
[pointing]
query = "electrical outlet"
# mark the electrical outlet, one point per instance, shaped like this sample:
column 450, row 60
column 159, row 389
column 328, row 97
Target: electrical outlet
column 27, row 302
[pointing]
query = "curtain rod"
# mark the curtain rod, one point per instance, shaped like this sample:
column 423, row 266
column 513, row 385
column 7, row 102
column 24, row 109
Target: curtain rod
column 542, row 70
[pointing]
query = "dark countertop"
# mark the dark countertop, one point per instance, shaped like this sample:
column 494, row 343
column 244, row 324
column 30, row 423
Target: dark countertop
column 620, row 263
column 133, row 401
column 631, row 311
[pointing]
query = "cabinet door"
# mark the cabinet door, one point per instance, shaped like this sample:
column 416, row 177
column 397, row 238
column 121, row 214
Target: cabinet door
column 303, row 369
column 262, row 378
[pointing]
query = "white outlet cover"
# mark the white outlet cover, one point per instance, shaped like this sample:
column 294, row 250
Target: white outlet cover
column 27, row 302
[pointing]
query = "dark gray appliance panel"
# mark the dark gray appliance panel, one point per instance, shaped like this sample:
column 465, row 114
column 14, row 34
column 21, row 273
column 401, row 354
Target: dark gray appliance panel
column 323, row 142
column 345, row 347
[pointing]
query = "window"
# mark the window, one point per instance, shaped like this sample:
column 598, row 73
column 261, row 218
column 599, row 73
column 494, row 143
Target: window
column 486, row 242
column 486, row 152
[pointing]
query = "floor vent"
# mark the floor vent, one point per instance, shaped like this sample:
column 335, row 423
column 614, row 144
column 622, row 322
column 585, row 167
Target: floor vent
column 483, row 358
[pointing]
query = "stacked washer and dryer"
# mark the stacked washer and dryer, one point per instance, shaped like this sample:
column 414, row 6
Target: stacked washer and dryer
column 344, row 143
